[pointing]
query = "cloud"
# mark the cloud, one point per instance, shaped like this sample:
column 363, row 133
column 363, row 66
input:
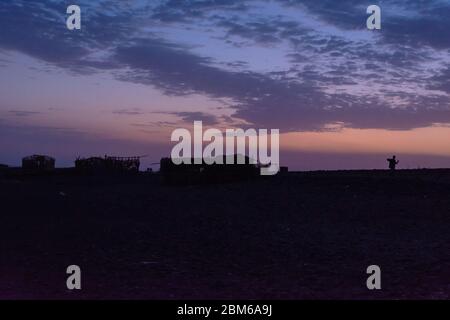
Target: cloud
column 406, row 22
column 159, row 124
column 441, row 81
column 207, row 119
column 128, row 112
column 23, row 113
column 278, row 101
column 337, row 72
column 37, row 28
column 183, row 11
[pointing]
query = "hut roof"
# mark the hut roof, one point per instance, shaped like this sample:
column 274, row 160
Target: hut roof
column 38, row 157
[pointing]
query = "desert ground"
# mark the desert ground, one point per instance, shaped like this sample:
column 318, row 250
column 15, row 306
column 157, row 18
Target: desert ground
column 307, row 235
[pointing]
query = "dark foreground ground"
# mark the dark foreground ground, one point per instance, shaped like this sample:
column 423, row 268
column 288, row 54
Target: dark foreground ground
column 301, row 236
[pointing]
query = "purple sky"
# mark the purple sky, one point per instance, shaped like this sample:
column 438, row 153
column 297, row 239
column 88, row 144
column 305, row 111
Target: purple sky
column 341, row 95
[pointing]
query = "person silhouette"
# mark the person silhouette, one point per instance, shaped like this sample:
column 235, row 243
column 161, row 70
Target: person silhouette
column 392, row 162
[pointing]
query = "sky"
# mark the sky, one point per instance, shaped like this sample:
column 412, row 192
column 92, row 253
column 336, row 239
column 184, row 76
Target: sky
column 342, row 96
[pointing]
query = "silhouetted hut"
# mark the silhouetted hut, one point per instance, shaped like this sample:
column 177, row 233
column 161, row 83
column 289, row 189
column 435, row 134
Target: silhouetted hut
column 208, row 173
column 38, row 163
column 284, row 170
column 108, row 164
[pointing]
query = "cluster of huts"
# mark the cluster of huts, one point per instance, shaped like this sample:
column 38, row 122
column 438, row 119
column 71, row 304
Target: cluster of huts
column 193, row 172
column 106, row 164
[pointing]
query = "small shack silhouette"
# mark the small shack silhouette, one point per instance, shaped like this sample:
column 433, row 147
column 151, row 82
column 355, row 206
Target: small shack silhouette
column 108, row 164
column 193, row 173
column 38, row 163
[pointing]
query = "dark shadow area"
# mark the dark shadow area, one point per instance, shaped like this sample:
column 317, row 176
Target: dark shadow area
column 293, row 236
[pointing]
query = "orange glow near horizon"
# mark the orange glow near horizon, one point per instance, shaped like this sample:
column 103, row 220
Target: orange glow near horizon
column 429, row 140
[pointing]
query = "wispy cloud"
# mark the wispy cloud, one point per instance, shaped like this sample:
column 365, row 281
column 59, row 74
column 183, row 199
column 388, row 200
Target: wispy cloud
column 328, row 69
column 128, row 112
column 23, row 113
